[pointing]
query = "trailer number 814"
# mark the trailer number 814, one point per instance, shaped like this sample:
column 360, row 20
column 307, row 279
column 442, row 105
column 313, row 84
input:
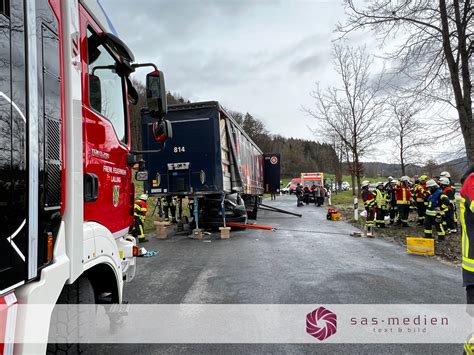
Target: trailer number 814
column 179, row 149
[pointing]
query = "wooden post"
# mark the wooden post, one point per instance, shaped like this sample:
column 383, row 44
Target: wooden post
column 161, row 229
column 225, row 232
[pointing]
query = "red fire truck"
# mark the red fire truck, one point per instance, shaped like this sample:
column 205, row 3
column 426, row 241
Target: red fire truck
column 66, row 188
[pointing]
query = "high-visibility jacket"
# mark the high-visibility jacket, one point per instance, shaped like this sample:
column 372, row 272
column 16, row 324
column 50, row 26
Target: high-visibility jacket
column 421, row 192
column 402, row 195
column 450, row 192
column 467, row 224
column 438, row 203
column 368, row 198
column 140, row 209
column 381, row 199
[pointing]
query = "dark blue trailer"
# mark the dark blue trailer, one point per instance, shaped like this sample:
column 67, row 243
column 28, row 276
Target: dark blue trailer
column 210, row 157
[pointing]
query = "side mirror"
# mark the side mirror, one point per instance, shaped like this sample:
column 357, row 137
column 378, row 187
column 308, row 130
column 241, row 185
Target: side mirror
column 162, row 131
column 156, row 93
column 141, row 175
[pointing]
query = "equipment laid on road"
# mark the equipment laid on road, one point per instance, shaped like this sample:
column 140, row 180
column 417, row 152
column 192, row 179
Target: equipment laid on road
column 278, row 210
column 333, row 214
column 421, row 246
column 249, row 226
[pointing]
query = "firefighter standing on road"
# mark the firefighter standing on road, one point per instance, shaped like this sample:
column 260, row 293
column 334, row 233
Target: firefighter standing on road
column 306, row 193
column 450, row 216
column 381, row 203
column 139, row 214
column 392, row 199
column 403, row 198
column 369, row 204
column 421, row 196
column 299, row 195
column 438, row 204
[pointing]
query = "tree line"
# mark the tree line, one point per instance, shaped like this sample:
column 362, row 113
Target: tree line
column 296, row 155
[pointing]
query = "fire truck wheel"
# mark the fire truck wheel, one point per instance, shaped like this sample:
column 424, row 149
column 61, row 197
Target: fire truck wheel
column 69, row 324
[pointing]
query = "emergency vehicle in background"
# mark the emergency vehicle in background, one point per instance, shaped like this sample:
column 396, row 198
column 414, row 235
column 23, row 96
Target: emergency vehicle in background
column 66, row 187
column 310, row 179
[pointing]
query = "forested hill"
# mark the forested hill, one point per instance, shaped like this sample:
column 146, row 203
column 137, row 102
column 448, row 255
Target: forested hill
column 297, row 155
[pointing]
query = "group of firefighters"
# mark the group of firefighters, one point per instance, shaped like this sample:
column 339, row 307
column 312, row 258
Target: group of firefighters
column 307, row 194
column 433, row 199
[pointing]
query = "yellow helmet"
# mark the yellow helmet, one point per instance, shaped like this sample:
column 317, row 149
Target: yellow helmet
column 423, row 178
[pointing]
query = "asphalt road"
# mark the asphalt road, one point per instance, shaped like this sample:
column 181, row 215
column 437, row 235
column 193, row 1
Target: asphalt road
column 301, row 262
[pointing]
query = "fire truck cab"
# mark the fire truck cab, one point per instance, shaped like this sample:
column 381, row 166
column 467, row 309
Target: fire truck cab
column 66, row 186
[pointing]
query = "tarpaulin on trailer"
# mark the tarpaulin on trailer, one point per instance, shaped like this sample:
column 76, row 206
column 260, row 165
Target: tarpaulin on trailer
column 208, row 154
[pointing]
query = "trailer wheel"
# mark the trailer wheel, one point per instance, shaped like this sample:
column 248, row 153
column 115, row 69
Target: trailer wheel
column 74, row 323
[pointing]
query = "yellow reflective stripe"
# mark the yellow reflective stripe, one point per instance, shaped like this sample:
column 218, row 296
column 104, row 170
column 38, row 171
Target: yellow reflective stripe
column 468, row 264
column 442, row 230
column 471, row 206
column 467, row 349
column 431, row 213
column 416, row 247
column 465, row 237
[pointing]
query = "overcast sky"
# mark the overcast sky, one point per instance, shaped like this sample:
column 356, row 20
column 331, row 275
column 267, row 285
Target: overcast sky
column 257, row 56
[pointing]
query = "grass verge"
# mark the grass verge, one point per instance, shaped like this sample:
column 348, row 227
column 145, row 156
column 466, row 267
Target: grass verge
column 449, row 250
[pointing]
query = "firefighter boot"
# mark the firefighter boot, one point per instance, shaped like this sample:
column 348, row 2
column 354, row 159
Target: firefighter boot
column 370, row 232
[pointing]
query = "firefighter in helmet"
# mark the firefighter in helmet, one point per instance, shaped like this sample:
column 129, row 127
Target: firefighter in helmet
column 446, row 174
column 139, row 214
column 403, row 198
column 421, row 198
column 369, row 203
column 381, row 204
column 450, row 217
column 438, row 204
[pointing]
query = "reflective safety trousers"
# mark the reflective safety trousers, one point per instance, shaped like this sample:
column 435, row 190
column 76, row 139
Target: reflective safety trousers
column 467, row 224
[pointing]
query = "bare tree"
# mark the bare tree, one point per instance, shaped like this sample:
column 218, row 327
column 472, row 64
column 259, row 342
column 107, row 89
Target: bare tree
column 406, row 131
column 434, row 51
column 353, row 112
column 431, row 167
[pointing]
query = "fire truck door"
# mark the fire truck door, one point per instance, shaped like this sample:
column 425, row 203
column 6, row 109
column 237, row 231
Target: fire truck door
column 13, row 164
